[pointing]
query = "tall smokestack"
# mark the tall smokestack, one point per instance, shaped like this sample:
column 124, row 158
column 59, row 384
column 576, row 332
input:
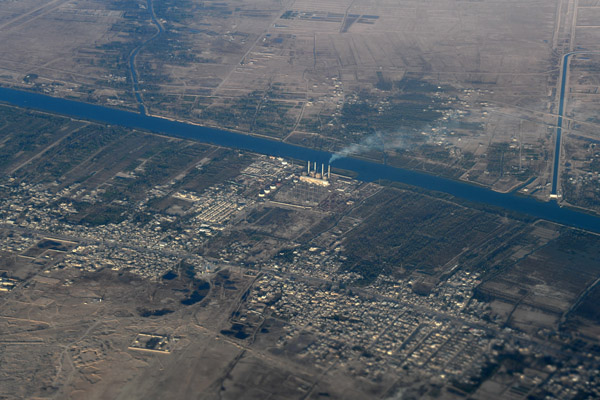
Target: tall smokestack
column 329, row 171
column 315, row 167
column 323, row 171
column 308, row 169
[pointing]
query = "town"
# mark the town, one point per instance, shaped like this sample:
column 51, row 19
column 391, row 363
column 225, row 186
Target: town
column 286, row 235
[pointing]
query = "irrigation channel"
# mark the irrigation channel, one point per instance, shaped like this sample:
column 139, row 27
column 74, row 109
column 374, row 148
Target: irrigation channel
column 561, row 111
column 132, row 56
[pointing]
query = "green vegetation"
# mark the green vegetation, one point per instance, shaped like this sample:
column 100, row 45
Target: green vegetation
column 368, row 113
column 581, row 189
column 404, row 232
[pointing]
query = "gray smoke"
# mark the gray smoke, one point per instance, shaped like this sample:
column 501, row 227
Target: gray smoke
column 368, row 143
column 400, row 140
column 376, row 141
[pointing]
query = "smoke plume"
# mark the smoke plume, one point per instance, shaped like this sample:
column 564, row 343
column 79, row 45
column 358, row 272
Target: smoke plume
column 376, row 141
column 368, row 143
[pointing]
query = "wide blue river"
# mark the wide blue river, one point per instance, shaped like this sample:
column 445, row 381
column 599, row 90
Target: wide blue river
column 367, row 171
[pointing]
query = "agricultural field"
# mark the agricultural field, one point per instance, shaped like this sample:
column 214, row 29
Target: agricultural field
column 468, row 90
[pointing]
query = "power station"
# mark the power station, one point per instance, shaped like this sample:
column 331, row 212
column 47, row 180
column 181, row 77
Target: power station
column 315, row 177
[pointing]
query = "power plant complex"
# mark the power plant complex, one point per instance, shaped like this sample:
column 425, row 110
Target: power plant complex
column 315, row 177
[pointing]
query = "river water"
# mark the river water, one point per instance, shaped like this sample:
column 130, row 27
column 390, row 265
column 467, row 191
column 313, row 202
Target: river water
column 366, row 170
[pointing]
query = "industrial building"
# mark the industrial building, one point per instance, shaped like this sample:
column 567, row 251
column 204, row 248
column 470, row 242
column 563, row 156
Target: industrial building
column 315, row 177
